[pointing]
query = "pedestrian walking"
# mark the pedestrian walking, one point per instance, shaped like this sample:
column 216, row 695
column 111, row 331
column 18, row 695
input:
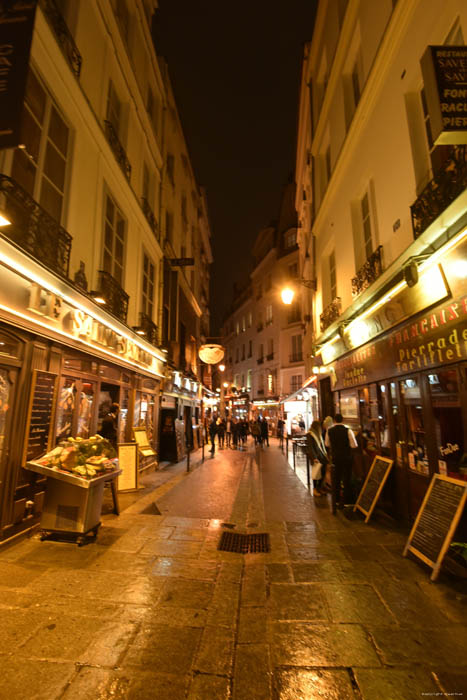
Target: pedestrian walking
column 255, row 430
column 341, row 439
column 316, row 451
column 280, row 432
column 235, row 434
column 221, row 432
column 244, row 430
column 212, row 433
column 264, row 431
column 228, row 431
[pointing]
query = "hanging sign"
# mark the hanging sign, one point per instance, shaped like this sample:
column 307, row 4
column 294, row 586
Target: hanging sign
column 437, row 520
column 444, row 70
column 16, row 27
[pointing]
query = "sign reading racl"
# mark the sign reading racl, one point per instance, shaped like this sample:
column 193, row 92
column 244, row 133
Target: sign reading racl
column 444, row 70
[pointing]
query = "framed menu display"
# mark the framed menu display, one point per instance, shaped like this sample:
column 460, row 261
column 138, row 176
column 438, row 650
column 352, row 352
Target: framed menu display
column 141, row 438
column 128, row 459
column 374, row 482
column 436, row 521
column 41, row 414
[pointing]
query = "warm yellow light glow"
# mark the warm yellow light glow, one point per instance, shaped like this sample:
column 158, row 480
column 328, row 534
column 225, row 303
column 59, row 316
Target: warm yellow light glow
column 225, row 385
column 458, row 268
column 222, row 368
column 359, row 332
column 442, row 251
column 4, row 221
column 287, row 295
column 323, row 369
column 315, row 369
column 16, row 266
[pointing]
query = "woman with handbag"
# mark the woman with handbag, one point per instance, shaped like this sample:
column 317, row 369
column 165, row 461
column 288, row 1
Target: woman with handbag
column 318, row 456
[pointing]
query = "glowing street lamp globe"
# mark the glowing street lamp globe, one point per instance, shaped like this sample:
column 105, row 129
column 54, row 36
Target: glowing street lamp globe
column 287, row 295
column 211, row 353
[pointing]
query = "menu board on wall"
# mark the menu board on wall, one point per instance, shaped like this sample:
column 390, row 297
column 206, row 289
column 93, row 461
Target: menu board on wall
column 128, row 463
column 41, row 414
column 437, row 520
column 374, row 482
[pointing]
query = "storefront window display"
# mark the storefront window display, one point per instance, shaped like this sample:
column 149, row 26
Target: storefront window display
column 447, row 410
column 86, row 402
column 416, row 438
column 5, row 388
column 65, row 409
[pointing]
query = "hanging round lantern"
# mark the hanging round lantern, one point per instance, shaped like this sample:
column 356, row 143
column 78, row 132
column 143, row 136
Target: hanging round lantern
column 211, row 353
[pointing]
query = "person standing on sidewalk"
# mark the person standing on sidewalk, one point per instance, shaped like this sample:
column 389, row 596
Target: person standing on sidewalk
column 280, row 432
column 341, row 439
column 316, row 451
column 212, row 433
column 228, row 431
column 264, row 431
column 221, row 432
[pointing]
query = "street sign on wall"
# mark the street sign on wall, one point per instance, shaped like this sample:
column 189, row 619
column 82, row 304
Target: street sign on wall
column 16, row 28
column 444, row 70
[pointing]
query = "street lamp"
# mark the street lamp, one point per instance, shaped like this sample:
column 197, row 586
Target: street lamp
column 288, row 293
column 222, row 394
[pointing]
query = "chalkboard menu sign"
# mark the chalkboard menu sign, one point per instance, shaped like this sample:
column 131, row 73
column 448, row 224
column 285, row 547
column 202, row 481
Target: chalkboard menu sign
column 41, row 413
column 374, row 482
column 437, row 520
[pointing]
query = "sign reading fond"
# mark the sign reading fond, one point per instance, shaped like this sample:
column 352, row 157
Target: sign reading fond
column 211, row 353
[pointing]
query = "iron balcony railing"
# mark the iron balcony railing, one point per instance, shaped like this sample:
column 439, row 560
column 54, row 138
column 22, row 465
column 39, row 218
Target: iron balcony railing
column 151, row 332
column 270, row 356
column 330, row 314
column 32, row 229
column 149, row 214
column 447, row 184
column 62, row 34
column 259, row 327
column 117, row 148
column 296, row 357
column 260, row 392
column 116, row 299
column 260, row 360
column 368, row 273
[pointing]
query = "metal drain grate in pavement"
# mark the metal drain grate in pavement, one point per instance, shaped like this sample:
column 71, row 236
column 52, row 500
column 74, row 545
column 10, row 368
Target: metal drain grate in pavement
column 244, row 544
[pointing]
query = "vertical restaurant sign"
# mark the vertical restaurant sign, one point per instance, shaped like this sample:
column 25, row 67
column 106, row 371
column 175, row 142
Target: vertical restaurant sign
column 444, row 70
column 16, row 28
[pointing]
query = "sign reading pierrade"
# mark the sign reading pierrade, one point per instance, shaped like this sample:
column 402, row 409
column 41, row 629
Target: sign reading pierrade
column 16, row 27
column 437, row 520
column 444, row 71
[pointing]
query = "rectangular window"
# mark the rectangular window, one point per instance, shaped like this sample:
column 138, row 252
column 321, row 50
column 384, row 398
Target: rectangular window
column 243, row 324
column 270, row 349
column 243, row 351
column 294, row 315
column 293, row 270
column 114, row 108
column 250, row 348
column 268, row 314
column 270, row 383
column 237, row 355
column 297, row 355
column 169, row 225
column 171, row 168
column 250, row 319
column 290, row 239
column 40, row 167
column 248, row 380
column 366, row 226
column 114, row 240
column 268, row 283
column 295, row 382
column 237, row 328
column 332, row 275
column 147, row 295
column 261, row 352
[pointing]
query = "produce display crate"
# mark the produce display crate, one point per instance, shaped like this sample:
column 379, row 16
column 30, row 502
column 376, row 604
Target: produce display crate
column 72, row 504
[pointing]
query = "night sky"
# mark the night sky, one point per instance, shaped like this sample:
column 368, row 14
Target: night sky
column 235, row 70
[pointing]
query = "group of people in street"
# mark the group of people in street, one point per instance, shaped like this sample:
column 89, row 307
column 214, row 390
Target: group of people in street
column 233, row 433
column 331, row 441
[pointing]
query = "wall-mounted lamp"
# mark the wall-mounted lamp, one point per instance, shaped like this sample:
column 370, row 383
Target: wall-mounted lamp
column 139, row 330
column 4, row 221
column 410, row 269
column 288, row 293
column 98, row 298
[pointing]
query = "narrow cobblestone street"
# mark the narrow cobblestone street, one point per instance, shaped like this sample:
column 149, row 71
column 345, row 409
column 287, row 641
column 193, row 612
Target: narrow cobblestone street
column 153, row 609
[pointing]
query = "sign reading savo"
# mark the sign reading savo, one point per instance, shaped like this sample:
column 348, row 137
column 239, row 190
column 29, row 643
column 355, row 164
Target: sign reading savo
column 444, row 70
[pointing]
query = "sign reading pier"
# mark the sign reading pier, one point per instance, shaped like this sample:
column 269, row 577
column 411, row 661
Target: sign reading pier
column 444, row 70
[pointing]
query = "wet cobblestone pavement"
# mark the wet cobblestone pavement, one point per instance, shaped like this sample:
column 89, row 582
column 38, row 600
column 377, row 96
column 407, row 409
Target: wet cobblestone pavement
column 152, row 609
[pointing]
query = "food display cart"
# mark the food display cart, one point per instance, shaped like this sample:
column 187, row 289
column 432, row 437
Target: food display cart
column 76, row 473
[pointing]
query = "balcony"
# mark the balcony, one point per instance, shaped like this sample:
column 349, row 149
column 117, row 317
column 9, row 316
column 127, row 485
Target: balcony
column 259, row 327
column 148, row 329
column 270, row 356
column 33, row 230
column 296, row 357
column 368, row 273
column 448, row 183
column 330, row 314
column 268, row 322
column 149, row 214
column 260, row 392
column 117, row 148
column 62, row 34
column 116, row 299
column 260, row 360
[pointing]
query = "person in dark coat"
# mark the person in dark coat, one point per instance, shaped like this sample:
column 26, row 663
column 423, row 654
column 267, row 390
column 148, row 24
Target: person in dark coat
column 280, row 431
column 212, row 433
column 109, row 428
column 264, row 431
column 221, row 432
column 341, row 440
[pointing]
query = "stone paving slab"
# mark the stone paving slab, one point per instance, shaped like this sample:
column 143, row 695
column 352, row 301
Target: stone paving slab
column 153, row 609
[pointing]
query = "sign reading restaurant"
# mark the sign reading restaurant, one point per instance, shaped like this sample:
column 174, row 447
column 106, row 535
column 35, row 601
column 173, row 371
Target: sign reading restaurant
column 444, row 70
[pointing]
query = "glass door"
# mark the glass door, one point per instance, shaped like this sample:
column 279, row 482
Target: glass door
column 449, row 423
column 416, row 437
